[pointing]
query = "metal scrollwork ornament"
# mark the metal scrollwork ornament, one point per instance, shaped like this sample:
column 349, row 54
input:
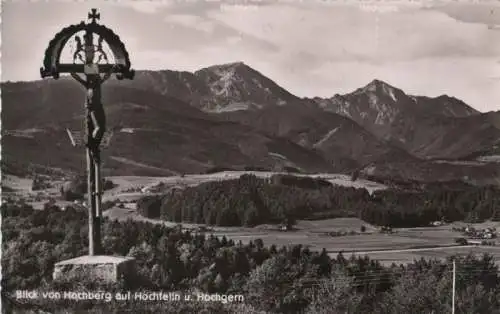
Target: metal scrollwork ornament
column 52, row 67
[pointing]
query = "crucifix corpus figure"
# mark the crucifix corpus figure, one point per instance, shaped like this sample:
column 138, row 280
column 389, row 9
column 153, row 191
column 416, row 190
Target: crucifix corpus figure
column 96, row 119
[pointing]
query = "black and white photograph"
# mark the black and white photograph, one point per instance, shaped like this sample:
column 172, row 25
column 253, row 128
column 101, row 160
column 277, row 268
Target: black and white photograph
column 250, row 156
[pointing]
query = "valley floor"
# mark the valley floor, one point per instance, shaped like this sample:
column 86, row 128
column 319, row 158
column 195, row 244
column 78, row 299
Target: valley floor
column 402, row 246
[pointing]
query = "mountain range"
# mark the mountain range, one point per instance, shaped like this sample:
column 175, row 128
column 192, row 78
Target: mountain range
column 232, row 116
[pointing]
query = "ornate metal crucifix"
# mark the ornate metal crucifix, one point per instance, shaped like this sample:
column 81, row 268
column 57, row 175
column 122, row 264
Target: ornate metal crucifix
column 93, row 76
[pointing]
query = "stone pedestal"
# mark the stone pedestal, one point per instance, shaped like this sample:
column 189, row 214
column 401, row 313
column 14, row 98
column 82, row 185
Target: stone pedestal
column 102, row 268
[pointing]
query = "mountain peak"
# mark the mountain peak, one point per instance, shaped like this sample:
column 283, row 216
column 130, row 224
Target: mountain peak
column 380, row 88
column 236, row 63
column 376, row 83
column 231, row 65
column 447, row 97
column 238, row 86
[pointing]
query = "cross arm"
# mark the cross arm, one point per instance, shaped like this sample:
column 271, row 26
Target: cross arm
column 79, row 68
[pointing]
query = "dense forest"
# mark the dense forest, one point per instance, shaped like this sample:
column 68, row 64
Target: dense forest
column 274, row 279
column 251, row 201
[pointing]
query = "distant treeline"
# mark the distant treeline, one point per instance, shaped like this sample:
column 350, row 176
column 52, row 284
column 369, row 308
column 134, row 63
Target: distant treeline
column 251, row 201
column 251, row 168
column 288, row 279
column 415, row 185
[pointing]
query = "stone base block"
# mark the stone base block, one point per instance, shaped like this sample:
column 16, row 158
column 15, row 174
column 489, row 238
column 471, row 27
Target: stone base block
column 102, row 268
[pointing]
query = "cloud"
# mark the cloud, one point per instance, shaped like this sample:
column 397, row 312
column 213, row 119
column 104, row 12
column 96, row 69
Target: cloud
column 233, row 40
column 480, row 13
column 149, row 7
column 351, row 34
column 191, row 21
column 194, row 59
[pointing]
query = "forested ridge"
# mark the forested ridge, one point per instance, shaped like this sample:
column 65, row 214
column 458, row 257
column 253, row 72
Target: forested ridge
column 289, row 279
column 249, row 201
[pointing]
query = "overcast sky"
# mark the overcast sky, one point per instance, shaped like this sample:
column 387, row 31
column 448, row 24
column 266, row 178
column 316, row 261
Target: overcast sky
column 310, row 48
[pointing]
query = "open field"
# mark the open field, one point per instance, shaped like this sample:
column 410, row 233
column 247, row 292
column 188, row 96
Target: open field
column 403, row 246
column 128, row 188
column 192, row 180
column 16, row 183
column 20, row 188
column 387, row 258
column 313, row 234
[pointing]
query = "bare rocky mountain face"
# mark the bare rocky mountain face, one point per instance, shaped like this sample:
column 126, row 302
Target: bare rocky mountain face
column 168, row 122
column 442, row 127
column 219, row 88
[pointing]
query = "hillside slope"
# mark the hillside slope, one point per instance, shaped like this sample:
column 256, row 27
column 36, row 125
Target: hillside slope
column 232, row 116
column 149, row 129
